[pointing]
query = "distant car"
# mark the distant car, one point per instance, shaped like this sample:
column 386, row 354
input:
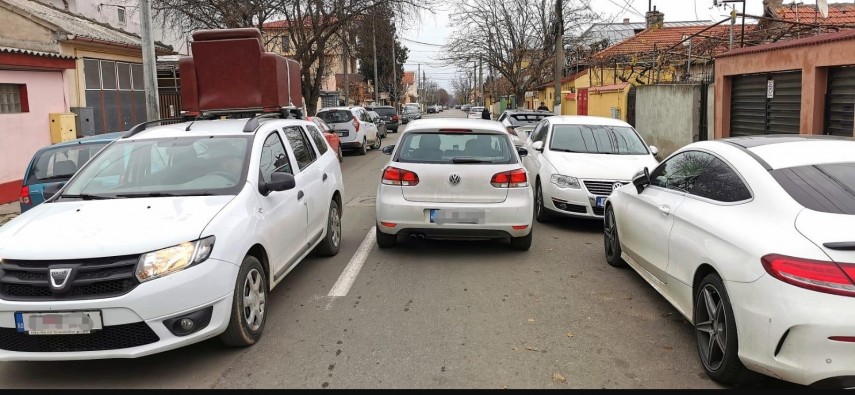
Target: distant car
column 465, row 107
column 475, row 112
column 521, row 123
column 353, row 126
column 381, row 124
column 432, row 110
column 329, row 135
column 454, row 178
column 410, row 114
column 53, row 166
column 389, row 115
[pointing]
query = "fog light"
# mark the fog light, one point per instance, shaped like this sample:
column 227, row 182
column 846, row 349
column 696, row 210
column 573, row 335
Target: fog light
column 187, row 324
column 190, row 323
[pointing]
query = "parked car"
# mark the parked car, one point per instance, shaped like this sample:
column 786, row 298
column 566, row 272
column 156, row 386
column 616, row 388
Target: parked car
column 169, row 236
column 475, row 113
column 410, row 114
column 389, row 115
column 329, row 135
column 432, row 110
column 453, row 178
column 521, row 123
column 379, row 122
column 577, row 161
column 751, row 239
column 353, row 126
column 466, row 107
column 53, row 165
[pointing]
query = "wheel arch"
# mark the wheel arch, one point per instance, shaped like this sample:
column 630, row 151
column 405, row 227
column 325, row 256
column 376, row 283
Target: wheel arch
column 259, row 252
column 704, row 270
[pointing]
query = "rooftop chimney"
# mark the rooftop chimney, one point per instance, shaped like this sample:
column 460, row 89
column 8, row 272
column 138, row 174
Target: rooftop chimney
column 626, row 21
column 655, row 18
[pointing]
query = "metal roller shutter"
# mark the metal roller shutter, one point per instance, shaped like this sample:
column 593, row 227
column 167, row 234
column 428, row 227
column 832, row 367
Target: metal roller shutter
column 840, row 102
column 753, row 113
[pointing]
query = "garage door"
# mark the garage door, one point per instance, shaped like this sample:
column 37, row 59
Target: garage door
column 840, row 101
column 759, row 106
column 115, row 91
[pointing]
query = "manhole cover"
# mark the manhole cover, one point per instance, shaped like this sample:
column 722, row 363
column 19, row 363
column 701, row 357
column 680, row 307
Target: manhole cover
column 362, row 202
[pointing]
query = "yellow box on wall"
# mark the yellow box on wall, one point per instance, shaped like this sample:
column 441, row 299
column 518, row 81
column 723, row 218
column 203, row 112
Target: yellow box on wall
column 62, row 127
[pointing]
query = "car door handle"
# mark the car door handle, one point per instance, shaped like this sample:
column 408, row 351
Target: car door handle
column 300, row 195
column 324, row 177
column 665, row 210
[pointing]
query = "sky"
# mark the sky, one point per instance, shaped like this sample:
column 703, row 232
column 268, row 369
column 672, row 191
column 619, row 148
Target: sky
column 433, row 30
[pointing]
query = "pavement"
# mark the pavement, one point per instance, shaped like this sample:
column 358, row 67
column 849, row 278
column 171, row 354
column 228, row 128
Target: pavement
column 9, row 211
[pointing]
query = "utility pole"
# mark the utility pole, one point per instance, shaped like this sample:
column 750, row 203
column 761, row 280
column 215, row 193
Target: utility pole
column 732, row 22
column 559, row 55
column 152, row 101
column 376, row 81
column 419, row 83
column 394, row 94
column 481, row 83
column 475, row 83
column 346, row 60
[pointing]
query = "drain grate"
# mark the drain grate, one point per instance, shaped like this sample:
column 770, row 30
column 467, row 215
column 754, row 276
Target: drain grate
column 362, row 202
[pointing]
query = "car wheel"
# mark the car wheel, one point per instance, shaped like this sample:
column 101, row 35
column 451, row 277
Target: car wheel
column 332, row 242
column 340, row 155
column 249, row 306
column 610, row 239
column 385, row 240
column 717, row 339
column 364, row 148
column 377, row 143
column 540, row 211
column 522, row 243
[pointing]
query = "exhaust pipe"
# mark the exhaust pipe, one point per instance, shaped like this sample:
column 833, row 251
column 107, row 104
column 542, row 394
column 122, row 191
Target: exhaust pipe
column 413, row 236
column 421, row 236
column 417, row 236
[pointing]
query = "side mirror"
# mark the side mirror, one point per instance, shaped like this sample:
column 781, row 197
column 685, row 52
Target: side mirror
column 51, row 189
column 278, row 182
column 537, row 146
column 388, row 149
column 641, row 180
column 654, row 150
column 522, row 151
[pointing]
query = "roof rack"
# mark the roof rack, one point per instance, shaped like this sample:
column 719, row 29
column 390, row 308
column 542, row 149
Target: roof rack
column 142, row 126
column 283, row 113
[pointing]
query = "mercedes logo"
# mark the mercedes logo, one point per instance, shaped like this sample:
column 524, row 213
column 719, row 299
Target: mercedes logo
column 454, row 179
column 616, row 185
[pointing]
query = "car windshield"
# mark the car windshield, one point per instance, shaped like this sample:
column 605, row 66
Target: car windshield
column 526, row 119
column 387, row 112
column 204, row 165
column 597, row 139
column 336, row 116
column 455, row 148
column 60, row 163
column 827, row 188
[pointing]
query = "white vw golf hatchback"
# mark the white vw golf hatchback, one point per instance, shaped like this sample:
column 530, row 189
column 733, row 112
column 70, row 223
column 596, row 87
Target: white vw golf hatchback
column 169, row 236
column 455, row 178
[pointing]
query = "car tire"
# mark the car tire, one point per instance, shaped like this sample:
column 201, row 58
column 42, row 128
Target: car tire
column 332, row 241
column 713, row 318
column 363, row 149
column 541, row 213
column 340, row 155
column 245, row 326
column 377, row 143
column 522, row 243
column 611, row 242
column 385, row 240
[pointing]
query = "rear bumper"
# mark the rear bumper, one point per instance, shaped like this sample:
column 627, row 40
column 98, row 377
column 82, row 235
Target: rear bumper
column 351, row 145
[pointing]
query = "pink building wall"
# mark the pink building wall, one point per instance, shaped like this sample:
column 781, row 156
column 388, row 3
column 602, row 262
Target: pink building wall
column 22, row 134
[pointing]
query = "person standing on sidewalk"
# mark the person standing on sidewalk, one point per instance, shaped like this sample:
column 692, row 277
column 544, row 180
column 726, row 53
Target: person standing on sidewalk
column 486, row 114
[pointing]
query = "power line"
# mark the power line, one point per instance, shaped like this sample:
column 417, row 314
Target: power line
column 422, row 43
column 633, row 10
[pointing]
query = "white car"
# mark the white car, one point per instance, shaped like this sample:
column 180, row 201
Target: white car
column 454, row 178
column 577, row 161
column 169, row 236
column 753, row 240
column 354, row 127
column 475, row 112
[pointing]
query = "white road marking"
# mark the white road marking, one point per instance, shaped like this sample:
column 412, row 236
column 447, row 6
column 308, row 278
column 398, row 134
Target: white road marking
column 348, row 276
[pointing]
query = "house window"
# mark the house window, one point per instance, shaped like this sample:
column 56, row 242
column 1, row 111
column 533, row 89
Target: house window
column 121, row 14
column 13, row 99
column 286, row 44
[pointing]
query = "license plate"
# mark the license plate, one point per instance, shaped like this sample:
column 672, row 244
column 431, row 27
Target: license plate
column 341, row 133
column 60, row 323
column 601, row 200
column 441, row 217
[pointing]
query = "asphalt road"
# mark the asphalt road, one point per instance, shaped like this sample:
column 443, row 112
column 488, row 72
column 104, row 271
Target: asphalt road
column 431, row 314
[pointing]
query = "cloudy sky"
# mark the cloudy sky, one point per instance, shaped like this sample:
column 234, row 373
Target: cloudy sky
column 424, row 40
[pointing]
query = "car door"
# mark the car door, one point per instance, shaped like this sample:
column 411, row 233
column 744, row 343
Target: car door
column 650, row 214
column 534, row 160
column 310, row 183
column 283, row 216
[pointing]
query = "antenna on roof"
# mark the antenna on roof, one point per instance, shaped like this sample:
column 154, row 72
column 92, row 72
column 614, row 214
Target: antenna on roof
column 191, row 123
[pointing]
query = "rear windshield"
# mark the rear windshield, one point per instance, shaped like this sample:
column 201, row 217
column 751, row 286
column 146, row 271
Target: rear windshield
column 459, row 148
column 336, row 116
column 388, row 112
column 59, row 164
column 826, row 188
column 525, row 119
column 596, row 139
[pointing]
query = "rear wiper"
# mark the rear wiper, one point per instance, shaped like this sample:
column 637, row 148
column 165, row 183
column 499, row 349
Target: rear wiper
column 159, row 194
column 85, row 196
column 470, row 160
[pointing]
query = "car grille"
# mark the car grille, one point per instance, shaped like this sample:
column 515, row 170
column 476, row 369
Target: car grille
column 601, row 188
column 94, row 278
column 110, row 338
column 598, row 211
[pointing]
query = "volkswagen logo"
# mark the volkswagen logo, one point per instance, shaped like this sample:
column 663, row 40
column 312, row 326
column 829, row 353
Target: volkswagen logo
column 616, row 185
column 454, row 179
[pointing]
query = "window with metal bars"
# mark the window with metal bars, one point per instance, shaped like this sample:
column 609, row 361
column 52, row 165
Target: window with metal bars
column 13, row 98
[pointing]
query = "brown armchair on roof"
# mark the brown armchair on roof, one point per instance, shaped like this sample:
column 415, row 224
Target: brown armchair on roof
column 230, row 70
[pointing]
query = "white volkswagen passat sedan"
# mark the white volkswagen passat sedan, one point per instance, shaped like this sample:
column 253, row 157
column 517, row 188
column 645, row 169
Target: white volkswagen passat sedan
column 753, row 240
column 167, row 237
column 577, row 161
column 454, row 178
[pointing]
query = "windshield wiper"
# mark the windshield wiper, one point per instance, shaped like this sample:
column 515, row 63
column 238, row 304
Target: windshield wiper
column 470, row 160
column 85, row 196
column 568, row 150
column 160, row 194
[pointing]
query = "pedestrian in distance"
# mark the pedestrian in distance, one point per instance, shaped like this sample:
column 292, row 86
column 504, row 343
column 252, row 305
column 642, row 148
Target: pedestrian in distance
column 543, row 107
column 485, row 114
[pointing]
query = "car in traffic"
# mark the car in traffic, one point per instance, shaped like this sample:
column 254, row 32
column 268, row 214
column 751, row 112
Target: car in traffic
column 521, row 122
column 53, row 165
column 475, row 113
column 751, row 239
column 432, row 110
column 577, row 161
column 454, row 178
column 380, row 123
column 389, row 115
column 466, row 107
column 171, row 235
column 353, row 126
column 330, row 135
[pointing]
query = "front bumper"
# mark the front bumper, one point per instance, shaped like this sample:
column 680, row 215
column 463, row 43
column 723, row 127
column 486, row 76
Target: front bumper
column 578, row 203
column 140, row 313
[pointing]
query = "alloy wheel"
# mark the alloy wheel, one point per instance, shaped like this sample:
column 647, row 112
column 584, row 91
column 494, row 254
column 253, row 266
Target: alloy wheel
column 610, row 234
column 253, row 299
column 335, row 226
column 711, row 327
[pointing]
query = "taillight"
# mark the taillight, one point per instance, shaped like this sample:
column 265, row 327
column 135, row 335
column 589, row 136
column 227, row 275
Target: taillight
column 25, row 194
column 822, row 276
column 510, row 179
column 356, row 124
column 395, row 117
column 396, row 176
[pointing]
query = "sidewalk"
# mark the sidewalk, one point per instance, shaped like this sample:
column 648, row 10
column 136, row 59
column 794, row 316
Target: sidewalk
column 9, row 211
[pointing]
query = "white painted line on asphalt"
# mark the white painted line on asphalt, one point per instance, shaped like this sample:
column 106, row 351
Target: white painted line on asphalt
column 348, row 276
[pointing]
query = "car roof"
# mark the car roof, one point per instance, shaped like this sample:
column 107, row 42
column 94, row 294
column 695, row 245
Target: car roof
column 783, row 151
column 529, row 112
column 98, row 138
column 456, row 123
column 586, row 120
column 339, row 108
column 213, row 127
column 381, row 107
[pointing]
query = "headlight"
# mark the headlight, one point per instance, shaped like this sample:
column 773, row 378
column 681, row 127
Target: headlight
column 169, row 260
column 565, row 181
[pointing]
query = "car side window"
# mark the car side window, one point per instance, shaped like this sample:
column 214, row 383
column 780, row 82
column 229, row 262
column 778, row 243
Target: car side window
column 680, row 172
column 544, row 131
column 320, row 141
column 274, row 158
column 363, row 115
column 502, row 117
column 303, row 151
column 717, row 180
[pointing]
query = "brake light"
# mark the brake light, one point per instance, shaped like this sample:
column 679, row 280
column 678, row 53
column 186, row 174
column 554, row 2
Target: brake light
column 821, row 276
column 510, row 179
column 396, row 176
column 456, row 130
column 25, row 194
column 356, row 124
column 395, row 117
